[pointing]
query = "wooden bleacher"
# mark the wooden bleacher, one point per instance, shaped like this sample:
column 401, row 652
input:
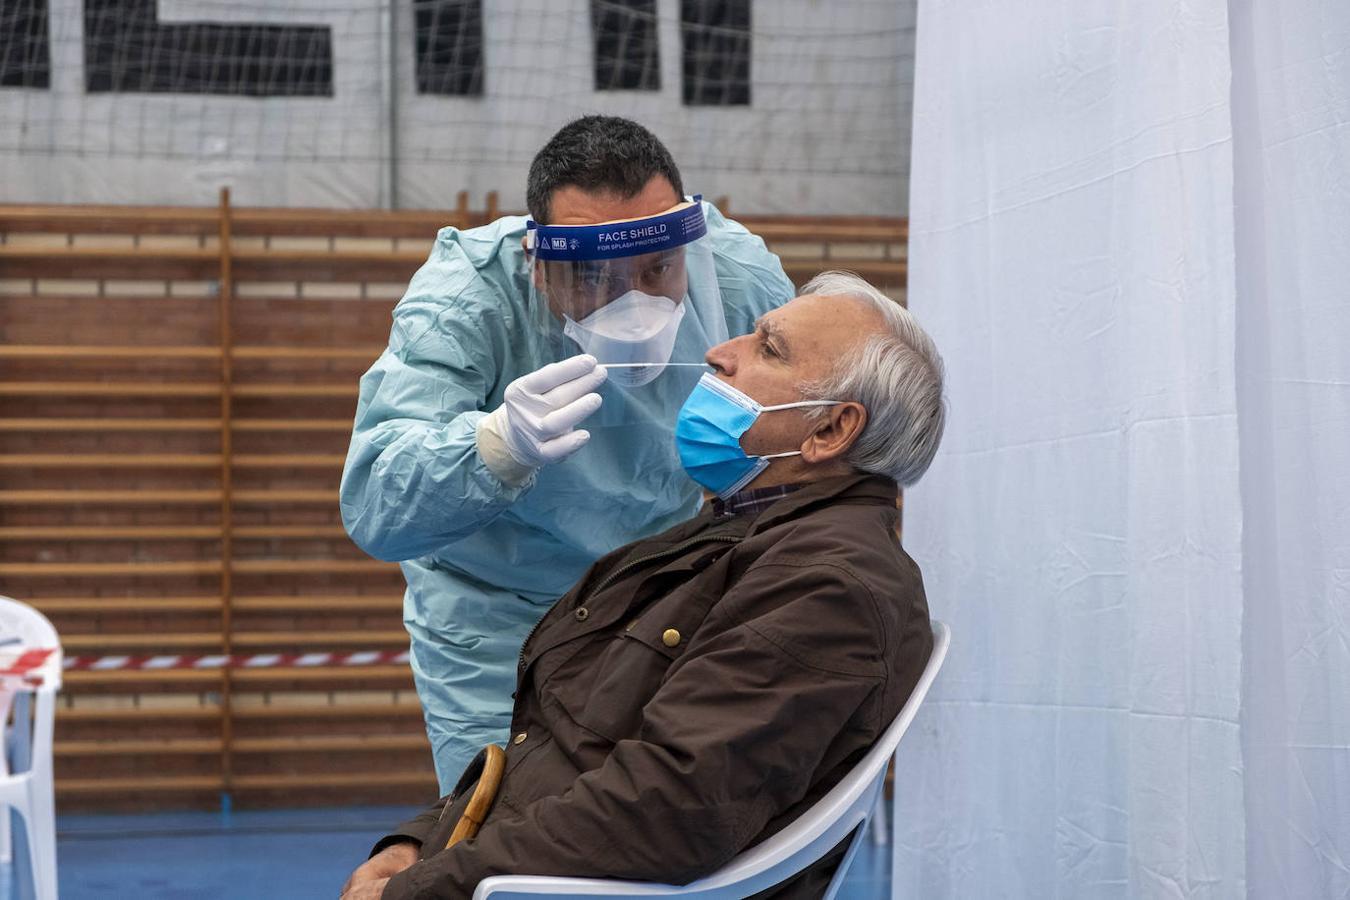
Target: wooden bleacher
column 176, row 395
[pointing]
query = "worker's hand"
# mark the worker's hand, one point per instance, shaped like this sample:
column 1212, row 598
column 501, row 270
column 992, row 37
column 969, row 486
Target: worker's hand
column 537, row 420
column 376, row 870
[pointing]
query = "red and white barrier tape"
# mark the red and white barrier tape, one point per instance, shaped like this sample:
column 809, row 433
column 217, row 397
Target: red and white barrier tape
column 231, row 661
column 25, row 664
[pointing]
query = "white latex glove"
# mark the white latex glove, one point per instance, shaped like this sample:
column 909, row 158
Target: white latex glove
column 536, row 423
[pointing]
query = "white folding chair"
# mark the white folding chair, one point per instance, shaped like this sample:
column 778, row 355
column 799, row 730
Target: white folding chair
column 26, row 763
column 845, row 810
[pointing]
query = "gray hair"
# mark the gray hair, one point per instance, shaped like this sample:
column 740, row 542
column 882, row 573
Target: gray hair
column 896, row 375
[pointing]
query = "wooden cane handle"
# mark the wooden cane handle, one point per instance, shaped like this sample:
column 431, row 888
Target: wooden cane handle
column 483, row 794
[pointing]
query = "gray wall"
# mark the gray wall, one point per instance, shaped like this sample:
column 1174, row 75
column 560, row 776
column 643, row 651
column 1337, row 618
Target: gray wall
column 827, row 132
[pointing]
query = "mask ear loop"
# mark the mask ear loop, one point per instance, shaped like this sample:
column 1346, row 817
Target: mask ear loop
column 800, row 403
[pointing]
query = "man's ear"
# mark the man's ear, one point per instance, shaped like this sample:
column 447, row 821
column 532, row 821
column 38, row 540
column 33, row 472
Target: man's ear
column 835, row 433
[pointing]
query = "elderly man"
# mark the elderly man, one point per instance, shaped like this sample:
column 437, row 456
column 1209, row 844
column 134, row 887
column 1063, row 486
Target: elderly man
column 697, row 690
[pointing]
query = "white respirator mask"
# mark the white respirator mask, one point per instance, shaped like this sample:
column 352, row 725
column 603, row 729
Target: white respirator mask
column 636, row 331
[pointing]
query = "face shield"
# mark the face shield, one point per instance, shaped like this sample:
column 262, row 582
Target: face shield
column 639, row 295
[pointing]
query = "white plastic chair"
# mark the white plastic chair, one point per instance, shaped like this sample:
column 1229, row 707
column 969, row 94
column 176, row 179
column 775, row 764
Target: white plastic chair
column 26, row 763
column 846, row 809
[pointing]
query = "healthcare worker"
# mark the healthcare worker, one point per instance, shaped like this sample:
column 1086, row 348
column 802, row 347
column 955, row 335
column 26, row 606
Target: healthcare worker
column 520, row 423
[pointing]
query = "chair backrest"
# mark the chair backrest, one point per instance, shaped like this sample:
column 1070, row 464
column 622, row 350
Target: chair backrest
column 844, row 810
column 32, row 629
column 27, row 734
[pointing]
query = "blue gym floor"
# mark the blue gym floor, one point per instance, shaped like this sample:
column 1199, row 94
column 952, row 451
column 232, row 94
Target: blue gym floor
column 290, row 854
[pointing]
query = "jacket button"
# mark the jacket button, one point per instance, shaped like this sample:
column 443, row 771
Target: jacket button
column 582, row 614
column 703, row 562
column 670, row 637
column 520, row 738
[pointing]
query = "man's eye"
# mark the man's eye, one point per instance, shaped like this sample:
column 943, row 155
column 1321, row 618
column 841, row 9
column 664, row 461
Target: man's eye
column 660, row 270
column 767, row 349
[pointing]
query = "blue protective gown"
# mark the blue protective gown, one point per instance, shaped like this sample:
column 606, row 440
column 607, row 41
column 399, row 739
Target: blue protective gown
column 483, row 561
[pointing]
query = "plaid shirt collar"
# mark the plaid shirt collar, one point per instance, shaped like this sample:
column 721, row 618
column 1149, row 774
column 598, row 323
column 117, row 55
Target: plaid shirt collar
column 752, row 501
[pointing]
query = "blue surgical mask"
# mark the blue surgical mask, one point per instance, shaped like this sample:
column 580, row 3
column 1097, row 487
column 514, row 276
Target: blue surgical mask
column 708, row 435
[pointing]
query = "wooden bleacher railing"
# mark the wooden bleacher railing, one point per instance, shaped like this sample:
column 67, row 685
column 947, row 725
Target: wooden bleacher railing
column 176, row 396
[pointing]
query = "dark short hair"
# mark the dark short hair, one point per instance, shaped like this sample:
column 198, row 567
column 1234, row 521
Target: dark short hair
column 598, row 153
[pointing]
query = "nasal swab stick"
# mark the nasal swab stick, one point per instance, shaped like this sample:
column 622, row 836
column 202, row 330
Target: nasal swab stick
column 644, row 365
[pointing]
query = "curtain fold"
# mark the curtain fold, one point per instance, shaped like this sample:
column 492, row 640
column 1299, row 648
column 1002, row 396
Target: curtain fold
column 1130, row 237
column 1291, row 99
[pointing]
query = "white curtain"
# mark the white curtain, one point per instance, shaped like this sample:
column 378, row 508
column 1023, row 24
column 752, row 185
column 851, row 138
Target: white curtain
column 1130, row 237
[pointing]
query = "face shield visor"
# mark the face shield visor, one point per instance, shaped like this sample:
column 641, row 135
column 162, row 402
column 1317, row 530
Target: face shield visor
column 639, row 295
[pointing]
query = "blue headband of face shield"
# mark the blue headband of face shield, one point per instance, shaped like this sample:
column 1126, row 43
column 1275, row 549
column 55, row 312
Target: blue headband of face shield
column 617, row 240
column 708, row 435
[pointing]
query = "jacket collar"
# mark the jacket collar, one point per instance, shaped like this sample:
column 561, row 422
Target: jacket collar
column 860, row 487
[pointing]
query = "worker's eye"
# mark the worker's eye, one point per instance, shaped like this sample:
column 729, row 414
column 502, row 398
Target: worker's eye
column 590, row 275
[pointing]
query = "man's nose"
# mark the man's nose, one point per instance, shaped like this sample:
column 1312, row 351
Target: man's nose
column 723, row 357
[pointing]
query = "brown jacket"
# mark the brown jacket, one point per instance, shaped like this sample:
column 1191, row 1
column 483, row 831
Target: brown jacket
column 694, row 693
